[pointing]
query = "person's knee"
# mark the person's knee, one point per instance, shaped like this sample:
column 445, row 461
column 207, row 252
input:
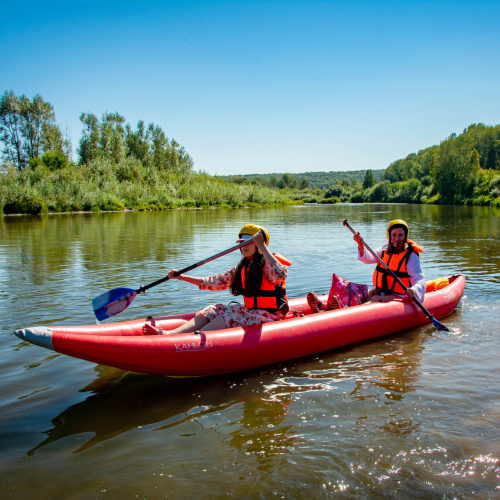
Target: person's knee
column 217, row 323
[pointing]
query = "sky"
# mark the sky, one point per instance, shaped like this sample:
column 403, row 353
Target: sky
column 264, row 86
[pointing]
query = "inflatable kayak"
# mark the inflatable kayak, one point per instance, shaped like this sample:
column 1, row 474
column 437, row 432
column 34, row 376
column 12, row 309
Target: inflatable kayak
column 123, row 344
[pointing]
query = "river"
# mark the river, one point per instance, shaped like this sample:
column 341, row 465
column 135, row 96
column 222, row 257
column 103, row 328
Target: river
column 414, row 414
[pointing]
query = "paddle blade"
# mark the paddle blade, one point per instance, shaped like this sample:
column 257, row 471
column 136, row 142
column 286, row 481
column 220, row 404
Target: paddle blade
column 113, row 302
column 439, row 325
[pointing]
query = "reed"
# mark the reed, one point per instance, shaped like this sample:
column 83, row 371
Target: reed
column 101, row 185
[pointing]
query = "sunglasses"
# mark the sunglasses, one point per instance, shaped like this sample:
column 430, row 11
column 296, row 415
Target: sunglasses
column 244, row 237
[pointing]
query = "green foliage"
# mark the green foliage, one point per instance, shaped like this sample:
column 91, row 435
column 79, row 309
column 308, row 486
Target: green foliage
column 495, row 182
column 31, row 205
column 143, row 169
column 109, row 140
column 332, row 200
column 130, row 170
column 379, row 193
column 458, row 169
column 55, row 160
column 316, row 180
column 28, row 129
column 334, row 191
column 369, row 180
column 104, row 185
column 454, row 172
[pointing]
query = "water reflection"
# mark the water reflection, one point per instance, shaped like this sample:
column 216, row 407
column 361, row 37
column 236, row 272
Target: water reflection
column 122, row 401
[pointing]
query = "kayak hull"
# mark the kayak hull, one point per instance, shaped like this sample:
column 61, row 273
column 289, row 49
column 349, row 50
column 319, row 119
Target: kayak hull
column 123, row 345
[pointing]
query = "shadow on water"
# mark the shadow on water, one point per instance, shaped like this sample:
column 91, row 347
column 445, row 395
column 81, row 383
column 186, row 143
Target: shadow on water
column 123, row 401
column 384, row 369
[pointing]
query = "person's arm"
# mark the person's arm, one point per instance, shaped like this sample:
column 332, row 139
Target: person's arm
column 258, row 239
column 361, row 249
column 184, row 277
column 366, row 257
column 274, row 270
column 218, row 282
column 417, row 278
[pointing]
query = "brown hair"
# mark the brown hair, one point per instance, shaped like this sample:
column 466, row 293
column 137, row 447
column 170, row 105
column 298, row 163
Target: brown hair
column 254, row 274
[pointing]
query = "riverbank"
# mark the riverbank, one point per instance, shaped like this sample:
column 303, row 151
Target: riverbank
column 103, row 186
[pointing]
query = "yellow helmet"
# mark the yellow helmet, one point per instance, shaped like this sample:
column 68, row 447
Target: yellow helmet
column 397, row 222
column 252, row 230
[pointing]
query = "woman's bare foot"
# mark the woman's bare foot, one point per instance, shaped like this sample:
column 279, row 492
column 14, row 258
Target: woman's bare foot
column 147, row 329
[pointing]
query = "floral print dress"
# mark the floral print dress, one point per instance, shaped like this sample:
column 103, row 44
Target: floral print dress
column 235, row 314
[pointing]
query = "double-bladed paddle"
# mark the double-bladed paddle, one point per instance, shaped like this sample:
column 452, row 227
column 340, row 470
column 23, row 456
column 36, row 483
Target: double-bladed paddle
column 436, row 323
column 117, row 300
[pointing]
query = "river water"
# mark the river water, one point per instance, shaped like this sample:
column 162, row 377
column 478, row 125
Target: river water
column 415, row 414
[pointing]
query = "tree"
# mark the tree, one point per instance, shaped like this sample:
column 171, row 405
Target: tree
column 138, row 143
column 368, row 181
column 304, row 184
column 393, row 172
column 27, row 128
column 334, row 191
column 287, row 181
column 89, row 142
column 11, row 129
column 104, row 139
column 458, row 169
column 380, row 192
column 112, row 140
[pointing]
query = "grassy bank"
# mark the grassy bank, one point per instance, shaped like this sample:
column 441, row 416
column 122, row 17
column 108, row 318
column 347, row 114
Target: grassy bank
column 102, row 185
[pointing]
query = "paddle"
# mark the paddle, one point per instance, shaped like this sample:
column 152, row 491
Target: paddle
column 436, row 323
column 117, row 300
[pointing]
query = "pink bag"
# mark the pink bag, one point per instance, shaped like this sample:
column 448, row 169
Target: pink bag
column 350, row 294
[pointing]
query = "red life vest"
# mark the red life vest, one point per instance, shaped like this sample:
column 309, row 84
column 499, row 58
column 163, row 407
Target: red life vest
column 270, row 297
column 396, row 262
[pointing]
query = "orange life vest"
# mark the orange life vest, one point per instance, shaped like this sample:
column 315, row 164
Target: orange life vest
column 396, row 262
column 270, row 297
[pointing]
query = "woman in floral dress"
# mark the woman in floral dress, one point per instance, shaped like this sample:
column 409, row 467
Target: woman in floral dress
column 258, row 270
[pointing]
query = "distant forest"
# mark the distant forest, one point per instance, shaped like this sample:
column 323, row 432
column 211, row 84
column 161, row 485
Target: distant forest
column 313, row 180
column 462, row 170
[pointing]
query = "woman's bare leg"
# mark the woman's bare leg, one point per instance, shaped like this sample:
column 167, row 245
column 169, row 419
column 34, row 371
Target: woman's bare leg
column 217, row 323
column 194, row 324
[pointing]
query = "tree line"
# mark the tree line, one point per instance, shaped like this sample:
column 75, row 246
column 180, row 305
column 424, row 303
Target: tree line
column 462, row 169
column 30, row 137
column 313, row 180
column 140, row 168
column 118, row 167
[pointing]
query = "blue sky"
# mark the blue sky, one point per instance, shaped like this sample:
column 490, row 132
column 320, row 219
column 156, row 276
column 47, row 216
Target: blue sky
column 264, row 86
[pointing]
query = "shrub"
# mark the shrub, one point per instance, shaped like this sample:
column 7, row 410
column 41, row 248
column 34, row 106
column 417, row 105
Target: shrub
column 111, row 203
column 433, row 200
column 334, row 191
column 27, row 204
column 55, row 160
column 331, row 200
column 495, row 182
column 129, row 170
column 358, row 197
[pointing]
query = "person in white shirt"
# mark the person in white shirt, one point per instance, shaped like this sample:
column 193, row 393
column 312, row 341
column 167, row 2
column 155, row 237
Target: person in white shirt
column 402, row 257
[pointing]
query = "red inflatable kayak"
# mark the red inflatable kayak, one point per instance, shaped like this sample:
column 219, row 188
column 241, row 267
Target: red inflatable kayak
column 123, row 345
